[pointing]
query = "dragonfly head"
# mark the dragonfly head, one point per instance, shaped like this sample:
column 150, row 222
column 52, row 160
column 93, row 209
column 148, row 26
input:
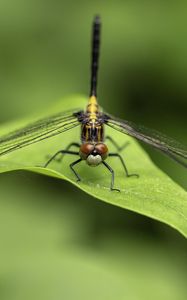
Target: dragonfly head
column 93, row 153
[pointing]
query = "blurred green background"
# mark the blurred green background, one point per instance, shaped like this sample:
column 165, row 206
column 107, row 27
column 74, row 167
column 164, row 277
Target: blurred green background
column 57, row 242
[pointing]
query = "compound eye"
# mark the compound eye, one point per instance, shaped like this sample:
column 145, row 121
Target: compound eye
column 102, row 149
column 85, row 150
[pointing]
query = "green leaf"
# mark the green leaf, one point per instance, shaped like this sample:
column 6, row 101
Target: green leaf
column 154, row 194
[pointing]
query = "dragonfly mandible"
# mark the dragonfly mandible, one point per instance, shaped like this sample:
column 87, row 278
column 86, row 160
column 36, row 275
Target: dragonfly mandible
column 92, row 149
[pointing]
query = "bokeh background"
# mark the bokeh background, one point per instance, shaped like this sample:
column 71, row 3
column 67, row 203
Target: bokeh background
column 56, row 242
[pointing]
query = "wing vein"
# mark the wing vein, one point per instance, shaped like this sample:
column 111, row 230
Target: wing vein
column 167, row 145
column 37, row 131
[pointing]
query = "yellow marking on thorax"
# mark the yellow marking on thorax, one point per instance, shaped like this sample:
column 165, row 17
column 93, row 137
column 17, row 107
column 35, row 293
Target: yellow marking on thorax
column 87, row 135
column 92, row 108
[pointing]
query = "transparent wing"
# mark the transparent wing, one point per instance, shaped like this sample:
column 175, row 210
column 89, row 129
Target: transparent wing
column 170, row 147
column 37, row 131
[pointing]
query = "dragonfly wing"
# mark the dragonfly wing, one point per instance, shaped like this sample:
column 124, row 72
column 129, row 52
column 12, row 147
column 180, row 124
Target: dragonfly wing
column 37, row 131
column 170, row 147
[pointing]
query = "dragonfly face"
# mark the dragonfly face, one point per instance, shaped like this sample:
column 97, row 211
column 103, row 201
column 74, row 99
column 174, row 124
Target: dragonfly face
column 93, row 153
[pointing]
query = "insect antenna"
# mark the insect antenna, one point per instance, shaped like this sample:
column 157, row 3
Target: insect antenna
column 95, row 54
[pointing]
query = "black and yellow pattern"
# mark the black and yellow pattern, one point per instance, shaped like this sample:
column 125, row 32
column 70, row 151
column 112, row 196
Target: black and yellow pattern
column 93, row 129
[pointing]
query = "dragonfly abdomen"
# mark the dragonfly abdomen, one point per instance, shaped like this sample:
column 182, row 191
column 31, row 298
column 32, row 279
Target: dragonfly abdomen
column 92, row 108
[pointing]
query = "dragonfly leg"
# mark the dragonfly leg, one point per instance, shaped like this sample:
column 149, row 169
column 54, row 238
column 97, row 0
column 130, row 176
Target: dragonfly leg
column 66, row 149
column 123, row 164
column 119, row 148
column 112, row 179
column 71, row 167
column 60, row 152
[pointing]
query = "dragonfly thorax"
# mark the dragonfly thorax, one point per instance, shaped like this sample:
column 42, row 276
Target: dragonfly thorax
column 93, row 153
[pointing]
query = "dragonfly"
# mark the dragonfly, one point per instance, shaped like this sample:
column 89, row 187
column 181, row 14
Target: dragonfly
column 92, row 121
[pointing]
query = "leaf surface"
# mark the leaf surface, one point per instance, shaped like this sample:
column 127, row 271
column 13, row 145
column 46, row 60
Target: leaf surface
column 153, row 194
